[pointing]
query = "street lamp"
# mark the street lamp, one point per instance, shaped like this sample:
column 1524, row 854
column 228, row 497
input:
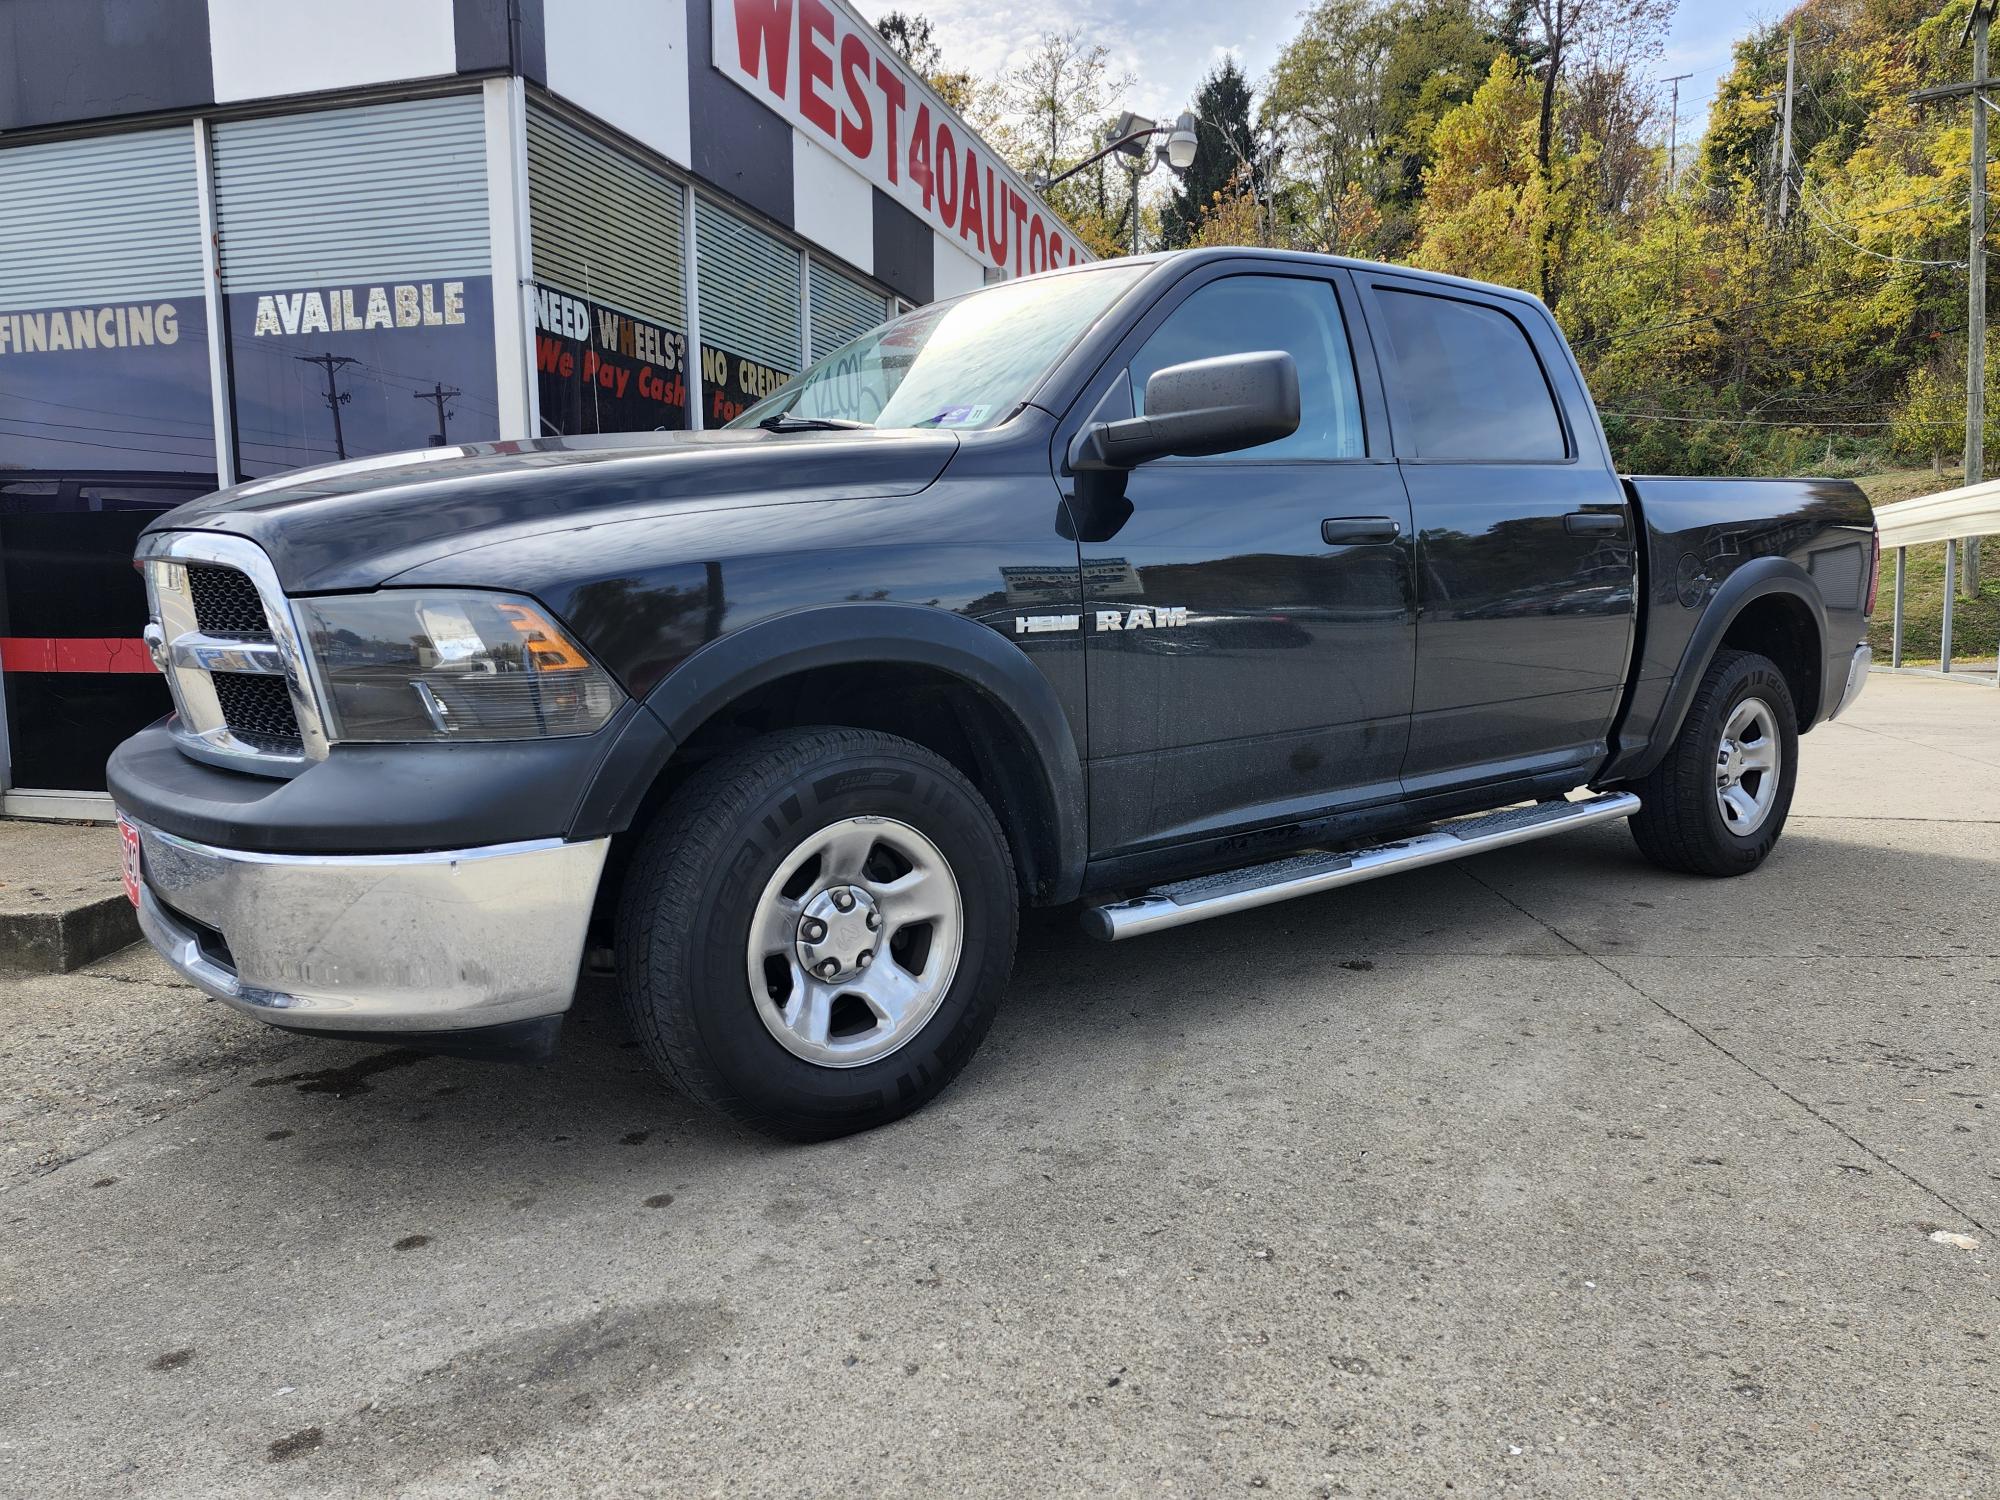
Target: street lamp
column 1127, row 138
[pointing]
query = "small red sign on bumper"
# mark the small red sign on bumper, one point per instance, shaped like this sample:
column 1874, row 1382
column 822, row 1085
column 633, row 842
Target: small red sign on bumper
column 131, row 860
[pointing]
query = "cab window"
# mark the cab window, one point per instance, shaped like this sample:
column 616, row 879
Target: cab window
column 1472, row 389
column 1251, row 314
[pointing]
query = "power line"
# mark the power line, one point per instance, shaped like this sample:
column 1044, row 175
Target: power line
column 200, row 439
column 1806, row 199
column 1668, row 326
column 203, row 422
column 1657, row 416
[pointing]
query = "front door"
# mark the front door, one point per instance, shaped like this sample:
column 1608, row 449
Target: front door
column 1524, row 539
column 1249, row 617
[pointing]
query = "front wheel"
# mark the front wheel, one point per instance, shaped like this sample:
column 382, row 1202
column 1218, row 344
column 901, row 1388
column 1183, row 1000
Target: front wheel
column 1717, row 803
column 814, row 935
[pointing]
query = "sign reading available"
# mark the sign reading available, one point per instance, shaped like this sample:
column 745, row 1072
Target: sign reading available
column 834, row 78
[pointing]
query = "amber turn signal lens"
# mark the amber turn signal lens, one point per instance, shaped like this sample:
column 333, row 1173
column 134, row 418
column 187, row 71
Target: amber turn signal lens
column 547, row 646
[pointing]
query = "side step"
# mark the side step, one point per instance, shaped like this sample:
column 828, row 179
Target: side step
column 1308, row 874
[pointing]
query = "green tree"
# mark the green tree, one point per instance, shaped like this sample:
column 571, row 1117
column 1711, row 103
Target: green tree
column 1355, row 99
column 1225, row 157
column 1931, row 420
column 1053, row 110
column 1489, row 209
column 914, row 39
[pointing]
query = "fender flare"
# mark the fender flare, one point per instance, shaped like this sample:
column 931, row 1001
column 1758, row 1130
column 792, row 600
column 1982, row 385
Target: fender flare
column 902, row 634
column 1760, row 578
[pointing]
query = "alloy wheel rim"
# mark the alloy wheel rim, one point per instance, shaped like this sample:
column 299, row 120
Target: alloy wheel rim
column 1748, row 763
column 855, row 941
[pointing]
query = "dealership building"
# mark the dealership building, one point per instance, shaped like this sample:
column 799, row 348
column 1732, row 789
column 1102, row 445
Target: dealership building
column 239, row 237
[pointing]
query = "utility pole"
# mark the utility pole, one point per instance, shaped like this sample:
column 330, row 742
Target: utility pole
column 1674, row 129
column 1977, row 26
column 1785, row 150
column 335, row 396
column 439, row 393
column 1975, row 298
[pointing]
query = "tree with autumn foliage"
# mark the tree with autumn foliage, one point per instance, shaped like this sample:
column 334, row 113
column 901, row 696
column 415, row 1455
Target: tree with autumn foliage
column 1490, row 208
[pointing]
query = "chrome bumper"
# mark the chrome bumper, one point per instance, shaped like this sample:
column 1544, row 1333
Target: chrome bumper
column 1857, row 678
column 390, row 942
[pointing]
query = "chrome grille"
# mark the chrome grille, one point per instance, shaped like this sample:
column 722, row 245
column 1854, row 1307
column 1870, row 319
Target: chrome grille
column 226, row 602
column 223, row 633
column 257, row 708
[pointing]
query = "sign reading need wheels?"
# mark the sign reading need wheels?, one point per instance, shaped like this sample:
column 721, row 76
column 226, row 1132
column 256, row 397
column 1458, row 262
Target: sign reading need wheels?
column 831, row 75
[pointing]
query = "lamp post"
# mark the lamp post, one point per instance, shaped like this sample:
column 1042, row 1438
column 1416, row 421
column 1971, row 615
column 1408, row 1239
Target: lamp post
column 1127, row 138
column 1260, row 166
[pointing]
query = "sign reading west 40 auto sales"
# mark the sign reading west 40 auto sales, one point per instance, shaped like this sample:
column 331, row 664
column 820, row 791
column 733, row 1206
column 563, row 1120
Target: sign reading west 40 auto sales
column 832, row 76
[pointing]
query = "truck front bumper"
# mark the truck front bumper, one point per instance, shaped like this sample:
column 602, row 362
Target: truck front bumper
column 384, row 945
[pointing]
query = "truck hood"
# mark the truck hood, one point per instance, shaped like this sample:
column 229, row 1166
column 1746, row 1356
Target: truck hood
column 353, row 525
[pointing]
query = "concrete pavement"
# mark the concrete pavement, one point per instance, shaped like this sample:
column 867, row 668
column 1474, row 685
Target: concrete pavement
column 1545, row 1172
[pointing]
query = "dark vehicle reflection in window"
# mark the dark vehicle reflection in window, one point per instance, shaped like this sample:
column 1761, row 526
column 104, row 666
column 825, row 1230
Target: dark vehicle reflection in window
column 72, row 607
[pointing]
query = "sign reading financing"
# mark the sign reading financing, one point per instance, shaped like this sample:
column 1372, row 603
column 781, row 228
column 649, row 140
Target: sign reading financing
column 831, row 76
column 111, row 385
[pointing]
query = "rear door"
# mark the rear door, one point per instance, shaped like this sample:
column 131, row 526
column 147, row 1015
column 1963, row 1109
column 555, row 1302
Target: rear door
column 1524, row 560
column 1248, row 617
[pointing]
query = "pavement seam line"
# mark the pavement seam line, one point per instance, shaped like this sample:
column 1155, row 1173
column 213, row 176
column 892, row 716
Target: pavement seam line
column 1878, row 818
column 1902, row 739
column 1762, row 1077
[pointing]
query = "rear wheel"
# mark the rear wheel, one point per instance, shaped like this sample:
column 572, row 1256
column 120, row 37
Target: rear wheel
column 814, row 935
column 1717, row 803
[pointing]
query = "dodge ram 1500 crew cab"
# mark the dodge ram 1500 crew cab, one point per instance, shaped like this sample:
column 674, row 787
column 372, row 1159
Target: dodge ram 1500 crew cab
column 1169, row 587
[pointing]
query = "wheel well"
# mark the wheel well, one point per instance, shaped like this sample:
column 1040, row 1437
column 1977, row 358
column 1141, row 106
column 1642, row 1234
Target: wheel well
column 1781, row 627
column 943, row 713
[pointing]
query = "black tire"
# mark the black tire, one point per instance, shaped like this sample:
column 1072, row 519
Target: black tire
column 1680, row 825
column 694, row 883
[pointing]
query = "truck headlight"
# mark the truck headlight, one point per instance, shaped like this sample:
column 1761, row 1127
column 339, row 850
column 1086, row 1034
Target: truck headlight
column 449, row 664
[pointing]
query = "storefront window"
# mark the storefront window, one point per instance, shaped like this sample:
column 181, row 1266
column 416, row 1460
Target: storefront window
column 77, row 677
column 356, row 278
column 326, row 373
column 110, row 385
column 751, row 315
column 106, row 419
column 602, row 370
column 610, row 301
column 842, row 308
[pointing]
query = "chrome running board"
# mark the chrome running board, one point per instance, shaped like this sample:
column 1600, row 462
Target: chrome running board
column 1308, row 874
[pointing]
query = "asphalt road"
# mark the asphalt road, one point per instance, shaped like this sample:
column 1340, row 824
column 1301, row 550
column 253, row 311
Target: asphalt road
column 1544, row 1172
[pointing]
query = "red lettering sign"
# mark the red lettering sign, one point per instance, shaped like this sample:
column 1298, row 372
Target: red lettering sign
column 828, row 72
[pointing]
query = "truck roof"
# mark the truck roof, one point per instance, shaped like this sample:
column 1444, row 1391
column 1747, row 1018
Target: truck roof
column 1207, row 253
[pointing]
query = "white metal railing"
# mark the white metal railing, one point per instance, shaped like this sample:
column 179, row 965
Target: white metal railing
column 1950, row 517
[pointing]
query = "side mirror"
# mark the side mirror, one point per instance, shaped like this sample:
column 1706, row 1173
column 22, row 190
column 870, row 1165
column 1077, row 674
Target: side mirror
column 1203, row 407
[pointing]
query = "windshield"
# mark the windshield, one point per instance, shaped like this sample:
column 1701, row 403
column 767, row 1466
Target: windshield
column 969, row 362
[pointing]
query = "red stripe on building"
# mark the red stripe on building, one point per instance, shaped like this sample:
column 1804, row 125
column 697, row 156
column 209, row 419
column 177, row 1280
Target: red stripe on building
column 54, row 653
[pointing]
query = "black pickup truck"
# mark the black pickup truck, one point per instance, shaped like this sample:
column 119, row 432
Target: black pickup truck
column 1167, row 587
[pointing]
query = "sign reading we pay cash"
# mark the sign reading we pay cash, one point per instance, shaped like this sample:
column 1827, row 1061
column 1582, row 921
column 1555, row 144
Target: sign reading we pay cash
column 357, row 309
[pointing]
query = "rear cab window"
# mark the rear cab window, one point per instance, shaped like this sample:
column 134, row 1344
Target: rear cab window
column 1469, row 385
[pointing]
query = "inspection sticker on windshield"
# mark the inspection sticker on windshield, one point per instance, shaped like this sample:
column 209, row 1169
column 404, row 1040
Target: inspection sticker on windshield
column 962, row 416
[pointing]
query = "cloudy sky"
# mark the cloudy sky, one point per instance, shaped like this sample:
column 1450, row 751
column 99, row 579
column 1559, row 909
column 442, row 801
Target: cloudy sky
column 1167, row 45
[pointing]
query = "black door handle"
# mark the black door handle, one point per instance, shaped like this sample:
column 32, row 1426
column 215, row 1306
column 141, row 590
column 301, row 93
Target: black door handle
column 1354, row 531
column 1594, row 523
